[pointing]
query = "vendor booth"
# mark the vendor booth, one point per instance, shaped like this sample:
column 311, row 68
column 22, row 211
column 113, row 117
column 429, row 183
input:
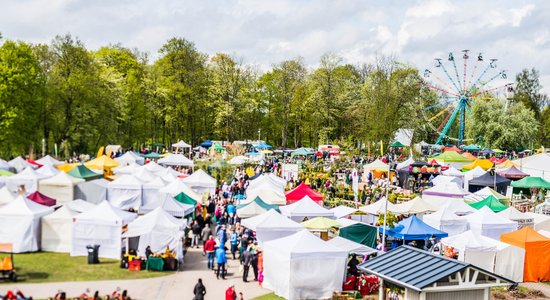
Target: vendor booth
column 271, row 225
column 413, row 229
column 254, row 208
column 444, row 193
column 19, row 164
column 49, row 161
column 60, row 187
column 302, row 266
column 300, row 192
column 57, row 230
column 491, row 202
column 176, row 160
column 523, row 219
column 93, row 191
column 305, row 208
column 27, row 178
column 497, row 182
column 201, row 182
column 130, row 157
column 487, row 223
column 170, row 205
column 20, row 224
column 267, row 196
column 81, row 171
column 125, row 192
column 446, row 220
column 102, row 225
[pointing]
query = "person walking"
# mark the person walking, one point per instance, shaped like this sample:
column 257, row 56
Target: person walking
column 230, row 293
column 234, row 240
column 205, row 233
column 222, row 260
column 222, row 236
column 246, row 260
column 254, row 263
column 209, row 250
column 196, row 230
column 199, row 291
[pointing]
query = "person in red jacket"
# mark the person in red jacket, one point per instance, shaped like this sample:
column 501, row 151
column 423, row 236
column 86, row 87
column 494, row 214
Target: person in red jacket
column 209, row 250
column 230, row 293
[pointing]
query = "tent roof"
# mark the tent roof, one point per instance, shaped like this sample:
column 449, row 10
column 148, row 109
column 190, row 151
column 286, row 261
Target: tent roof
column 471, row 147
column 302, row 151
column 342, row 211
column 185, row 199
column 129, row 157
column 41, row 199
column 447, row 189
column 81, row 171
column 531, row 182
column 450, row 156
column 47, row 170
column 378, row 207
column 27, row 173
column 469, row 156
column 102, row 163
column 489, row 180
column 61, row 179
column 181, row 144
column 6, row 196
column 468, row 240
column 507, row 164
column 156, row 183
column 320, row 223
column 350, row 246
column 444, row 179
column 511, row 213
column 258, row 201
column 177, row 187
column 254, row 208
column 487, row 191
column 176, row 160
column 268, row 196
column 453, row 148
column 271, row 220
column 22, row 206
column 200, row 178
column 19, row 164
column 79, row 205
column 344, row 222
column 491, row 202
column 397, row 144
column 452, row 171
column 237, row 160
column 486, row 216
column 170, row 205
column 485, row 164
column 305, row 207
column 475, row 172
column 409, row 161
column 412, row 228
column 512, row 173
column 106, row 212
column 304, row 243
column 301, row 191
column 156, row 220
column 126, row 182
column 62, row 213
column 523, row 236
column 415, row 206
column 49, row 161
column 127, row 169
column 153, row 167
column 535, row 165
column 267, row 179
column 376, row 165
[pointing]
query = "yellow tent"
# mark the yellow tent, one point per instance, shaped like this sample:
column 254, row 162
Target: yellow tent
column 67, row 167
column 507, row 164
column 103, row 162
column 485, row 164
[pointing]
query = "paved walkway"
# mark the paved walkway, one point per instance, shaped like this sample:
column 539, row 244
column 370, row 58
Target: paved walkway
column 176, row 286
column 538, row 286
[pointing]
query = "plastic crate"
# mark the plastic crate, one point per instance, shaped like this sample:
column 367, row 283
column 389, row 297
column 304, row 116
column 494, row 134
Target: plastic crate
column 134, row 265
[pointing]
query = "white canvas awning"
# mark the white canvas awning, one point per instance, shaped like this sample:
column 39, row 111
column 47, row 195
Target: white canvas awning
column 176, row 160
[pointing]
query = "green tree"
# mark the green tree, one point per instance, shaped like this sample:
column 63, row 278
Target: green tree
column 527, row 91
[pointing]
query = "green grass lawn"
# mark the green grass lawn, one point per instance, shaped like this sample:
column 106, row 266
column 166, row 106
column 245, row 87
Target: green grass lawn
column 55, row 267
column 270, row 296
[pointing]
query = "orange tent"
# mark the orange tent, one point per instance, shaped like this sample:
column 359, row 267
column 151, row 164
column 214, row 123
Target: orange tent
column 507, row 164
column 453, row 148
column 537, row 252
column 469, row 155
column 485, row 164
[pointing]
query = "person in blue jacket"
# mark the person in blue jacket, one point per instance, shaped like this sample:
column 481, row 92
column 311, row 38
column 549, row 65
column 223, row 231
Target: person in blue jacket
column 221, row 259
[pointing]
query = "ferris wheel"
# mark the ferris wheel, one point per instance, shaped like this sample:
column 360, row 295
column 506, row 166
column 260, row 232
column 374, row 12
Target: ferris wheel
column 450, row 93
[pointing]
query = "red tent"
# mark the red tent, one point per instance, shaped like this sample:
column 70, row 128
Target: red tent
column 34, row 163
column 497, row 161
column 300, row 192
column 453, row 148
column 41, row 199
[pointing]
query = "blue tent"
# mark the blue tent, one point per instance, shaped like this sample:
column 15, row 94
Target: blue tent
column 487, row 151
column 412, row 228
column 206, row 144
column 263, row 146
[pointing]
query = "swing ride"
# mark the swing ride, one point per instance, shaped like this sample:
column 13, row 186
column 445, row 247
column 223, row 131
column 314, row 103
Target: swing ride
column 449, row 100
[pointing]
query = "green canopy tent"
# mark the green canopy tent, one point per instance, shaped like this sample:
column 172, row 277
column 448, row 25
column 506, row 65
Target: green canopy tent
column 185, row 199
column 360, row 233
column 5, row 173
column 81, row 171
column 450, row 156
column 302, row 152
column 397, row 144
column 218, row 147
column 153, row 154
column 491, row 202
column 261, row 203
column 472, row 147
column 531, row 182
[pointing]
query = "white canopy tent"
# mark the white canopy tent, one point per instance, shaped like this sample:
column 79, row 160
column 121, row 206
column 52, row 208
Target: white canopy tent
column 151, row 190
column 125, row 192
column 251, row 210
column 101, row 226
column 343, row 211
column 473, row 173
column 130, row 168
column 170, row 205
column 444, row 179
column 47, row 171
column 153, row 167
column 20, row 224
column 181, row 145
column 542, row 222
column 129, row 158
column 267, row 187
column 177, row 187
column 28, row 178
column 201, row 182
column 60, row 187
column 452, row 171
column 4, row 165
column 375, row 165
column 305, row 208
column 271, row 225
column 268, row 196
column 544, row 233
column 414, row 206
column 157, row 229
column 269, row 178
column 537, row 165
column 487, row 223
column 6, row 196
column 49, row 161
column 409, row 161
column 302, row 266
column 57, row 230
column 237, row 160
column 94, row 191
column 378, row 207
column 351, row 247
column 176, row 160
column 19, row 164
column 511, row 213
column 489, row 254
column 446, row 220
column 79, row 205
column 439, row 195
column 144, row 175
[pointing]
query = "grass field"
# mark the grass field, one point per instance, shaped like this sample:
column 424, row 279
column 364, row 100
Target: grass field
column 270, row 296
column 55, row 267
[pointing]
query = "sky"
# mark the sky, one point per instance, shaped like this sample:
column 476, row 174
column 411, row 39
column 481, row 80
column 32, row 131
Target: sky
column 263, row 33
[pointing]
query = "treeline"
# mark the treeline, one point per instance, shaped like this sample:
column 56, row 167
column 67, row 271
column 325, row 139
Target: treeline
column 79, row 99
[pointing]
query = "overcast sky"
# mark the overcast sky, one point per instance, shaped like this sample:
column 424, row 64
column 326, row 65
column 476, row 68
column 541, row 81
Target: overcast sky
column 266, row 32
